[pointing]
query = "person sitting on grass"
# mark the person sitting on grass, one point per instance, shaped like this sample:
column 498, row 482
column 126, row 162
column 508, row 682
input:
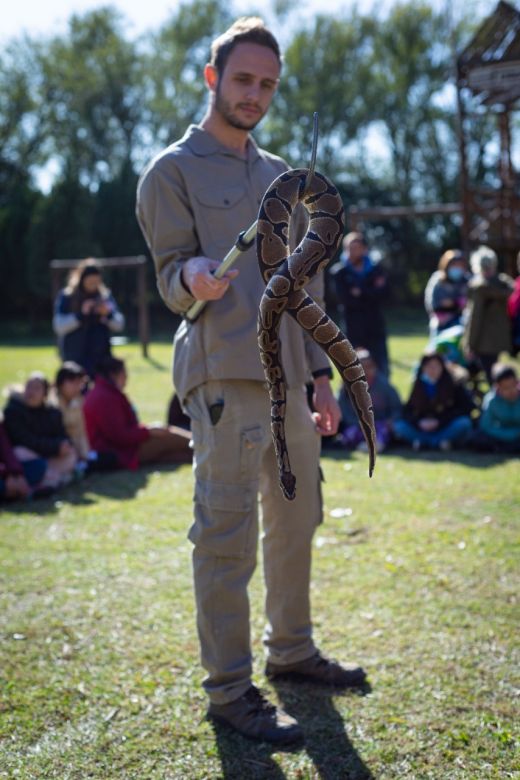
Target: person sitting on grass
column 499, row 424
column 35, row 429
column 70, row 382
column 385, row 401
column 13, row 483
column 113, row 426
column 437, row 413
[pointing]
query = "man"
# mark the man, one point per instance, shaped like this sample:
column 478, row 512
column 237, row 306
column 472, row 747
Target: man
column 360, row 288
column 193, row 200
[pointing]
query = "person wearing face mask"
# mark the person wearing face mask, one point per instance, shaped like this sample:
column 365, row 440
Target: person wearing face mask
column 446, row 292
column 437, row 413
column 487, row 330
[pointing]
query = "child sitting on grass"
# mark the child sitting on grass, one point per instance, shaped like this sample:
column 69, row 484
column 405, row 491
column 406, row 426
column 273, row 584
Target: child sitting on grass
column 35, row 429
column 70, row 383
column 499, row 424
column 437, row 414
column 19, row 480
column 385, row 402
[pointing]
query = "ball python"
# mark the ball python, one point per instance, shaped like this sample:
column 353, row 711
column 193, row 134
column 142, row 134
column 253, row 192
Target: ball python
column 285, row 276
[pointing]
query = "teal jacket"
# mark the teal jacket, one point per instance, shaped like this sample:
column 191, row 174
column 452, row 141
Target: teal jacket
column 500, row 418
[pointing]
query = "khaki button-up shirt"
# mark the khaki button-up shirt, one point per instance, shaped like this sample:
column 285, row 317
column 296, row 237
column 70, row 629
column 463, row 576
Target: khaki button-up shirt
column 194, row 199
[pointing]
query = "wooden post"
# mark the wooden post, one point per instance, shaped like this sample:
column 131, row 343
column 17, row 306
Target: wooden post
column 143, row 319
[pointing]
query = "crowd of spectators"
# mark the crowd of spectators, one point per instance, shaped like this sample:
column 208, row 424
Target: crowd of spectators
column 52, row 435
column 460, row 395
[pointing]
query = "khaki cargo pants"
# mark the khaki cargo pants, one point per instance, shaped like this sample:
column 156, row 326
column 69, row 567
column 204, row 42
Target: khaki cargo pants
column 234, row 461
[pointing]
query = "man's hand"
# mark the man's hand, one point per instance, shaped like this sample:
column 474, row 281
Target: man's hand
column 198, row 277
column 327, row 414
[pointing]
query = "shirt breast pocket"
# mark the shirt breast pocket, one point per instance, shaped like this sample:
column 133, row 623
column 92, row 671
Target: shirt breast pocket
column 220, row 212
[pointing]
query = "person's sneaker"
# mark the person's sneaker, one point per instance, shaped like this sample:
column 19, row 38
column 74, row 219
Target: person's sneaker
column 320, row 670
column 255, row 717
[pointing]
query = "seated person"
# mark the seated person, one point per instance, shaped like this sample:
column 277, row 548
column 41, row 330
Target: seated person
column 20, row 480
column 35, row 429
column 499, row 423
column 13, row 482
column 385, row 401
column 112, row 424
column 437, row 413
column 70, row 382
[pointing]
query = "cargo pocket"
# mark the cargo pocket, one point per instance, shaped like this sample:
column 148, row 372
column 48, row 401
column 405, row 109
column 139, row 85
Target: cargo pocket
column 251, row 451
column 225, row 519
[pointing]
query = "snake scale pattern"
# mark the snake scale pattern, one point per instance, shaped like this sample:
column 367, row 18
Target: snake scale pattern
column 285, row 276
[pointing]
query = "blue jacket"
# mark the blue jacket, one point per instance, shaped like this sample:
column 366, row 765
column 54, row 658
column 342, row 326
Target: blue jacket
column 85, row 339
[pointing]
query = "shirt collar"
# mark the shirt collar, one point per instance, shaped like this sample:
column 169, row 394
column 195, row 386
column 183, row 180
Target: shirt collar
column 204, row 144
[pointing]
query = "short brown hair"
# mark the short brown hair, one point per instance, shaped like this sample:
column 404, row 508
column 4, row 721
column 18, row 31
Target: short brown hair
column 247, row 29
column 448, row 257
column 354, row 235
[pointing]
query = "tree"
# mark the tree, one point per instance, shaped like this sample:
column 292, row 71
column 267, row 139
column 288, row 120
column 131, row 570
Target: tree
column 92, row 98
column 323, row 70
column 174, row 61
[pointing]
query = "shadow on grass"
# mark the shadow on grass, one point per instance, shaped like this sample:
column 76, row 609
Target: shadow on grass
column 118, row 485
column 466, row 457
column 326, row 742
column 156, row 364
column 470, row 458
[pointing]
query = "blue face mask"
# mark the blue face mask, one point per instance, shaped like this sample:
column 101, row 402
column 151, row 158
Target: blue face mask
column 427, row 379
column 455, row 274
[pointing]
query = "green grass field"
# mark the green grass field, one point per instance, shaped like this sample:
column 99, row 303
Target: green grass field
column 415, row 576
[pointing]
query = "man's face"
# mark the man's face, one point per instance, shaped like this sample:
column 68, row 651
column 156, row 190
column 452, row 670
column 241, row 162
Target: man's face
column 247, row 85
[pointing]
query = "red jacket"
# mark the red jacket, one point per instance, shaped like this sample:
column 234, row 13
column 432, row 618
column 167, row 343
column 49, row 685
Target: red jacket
column 112, row 424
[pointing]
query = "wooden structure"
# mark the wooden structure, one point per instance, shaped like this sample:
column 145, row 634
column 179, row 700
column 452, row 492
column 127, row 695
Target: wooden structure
column 488, row 70
column 136, row 262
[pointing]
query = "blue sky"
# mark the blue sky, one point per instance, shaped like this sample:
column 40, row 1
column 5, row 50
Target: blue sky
column 37, row 17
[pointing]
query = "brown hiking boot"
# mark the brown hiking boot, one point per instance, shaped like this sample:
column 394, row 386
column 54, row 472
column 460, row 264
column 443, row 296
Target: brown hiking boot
column 254, row 717
column 320, row 670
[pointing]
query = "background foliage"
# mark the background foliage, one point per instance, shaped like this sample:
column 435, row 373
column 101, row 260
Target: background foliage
column 82, row 111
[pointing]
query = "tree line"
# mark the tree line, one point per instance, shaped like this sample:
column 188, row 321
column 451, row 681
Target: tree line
column 87, row 108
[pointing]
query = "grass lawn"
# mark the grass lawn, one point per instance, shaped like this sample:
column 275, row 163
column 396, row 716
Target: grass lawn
column 415, row 576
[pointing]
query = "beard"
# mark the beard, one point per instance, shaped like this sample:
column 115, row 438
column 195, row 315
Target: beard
column 224, row 108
